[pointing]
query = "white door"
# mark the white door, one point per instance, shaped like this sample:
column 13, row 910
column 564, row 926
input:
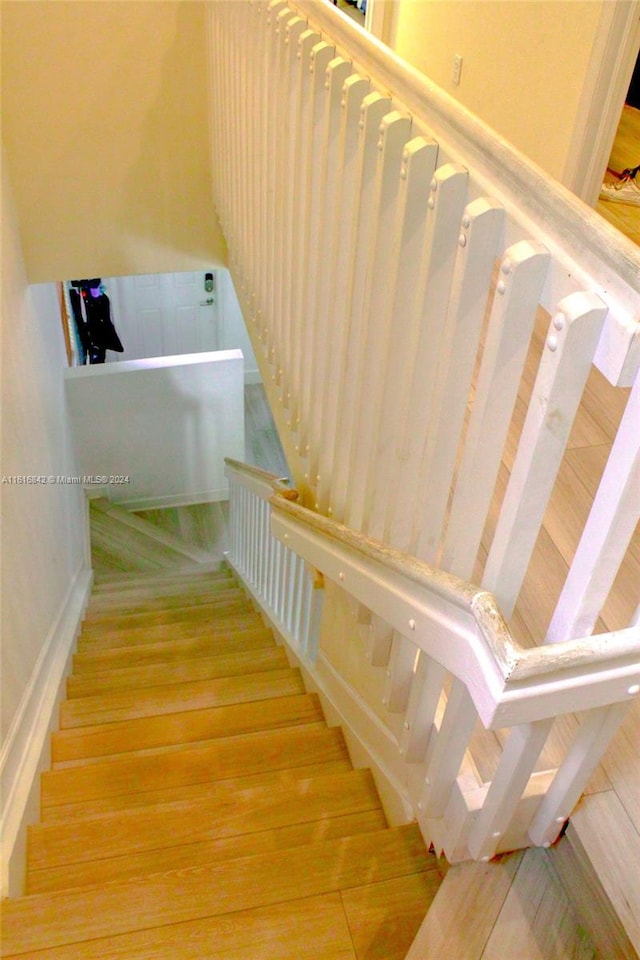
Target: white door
column 161, row 315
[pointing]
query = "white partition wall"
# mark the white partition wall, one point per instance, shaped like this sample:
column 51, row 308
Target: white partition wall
column 154, row 433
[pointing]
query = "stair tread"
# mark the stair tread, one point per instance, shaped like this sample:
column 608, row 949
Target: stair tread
column 214, row 623
column 314, row 928
column 101, row 608
column 47, row 920
column 183, row 671
column 384, row 917
column 230, row 600
column 191, row 695
column 104, row 511
column 86, row 809
column 210, row 851
column 602, row 832
column 165, row 651
column 188, row 726
column 162, row 768
column 199, row 571
column 224, row 811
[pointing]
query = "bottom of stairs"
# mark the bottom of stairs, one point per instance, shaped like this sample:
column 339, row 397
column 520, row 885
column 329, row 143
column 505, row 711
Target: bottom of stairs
column 198, row 805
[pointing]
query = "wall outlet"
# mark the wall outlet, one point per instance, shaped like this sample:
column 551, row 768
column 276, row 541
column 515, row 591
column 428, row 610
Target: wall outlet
column 457, row 67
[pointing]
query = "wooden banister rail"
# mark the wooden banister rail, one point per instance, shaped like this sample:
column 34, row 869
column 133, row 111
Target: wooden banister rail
column 445, row 650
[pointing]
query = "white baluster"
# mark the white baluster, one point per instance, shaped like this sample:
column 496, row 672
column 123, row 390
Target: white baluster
column 480, row 230
column 606, row 534
column 423, row 702
column 336, row 73
column 343, row 254
column 367, row 377
column 518, row 760
column 397, row 687
column 593, row 737
column 564, row 367
column 311, row 252
column 425, row 323
column 518, row 292
column 415, row 173
column 446, row 755
column 374, row 106
column 379, row 642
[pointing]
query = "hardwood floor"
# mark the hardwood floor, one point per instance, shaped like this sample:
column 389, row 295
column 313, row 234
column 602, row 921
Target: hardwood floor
column 625, row 154
column 215, row 817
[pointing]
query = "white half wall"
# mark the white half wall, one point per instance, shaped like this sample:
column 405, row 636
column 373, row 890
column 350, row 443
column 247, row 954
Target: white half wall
column 164, row 425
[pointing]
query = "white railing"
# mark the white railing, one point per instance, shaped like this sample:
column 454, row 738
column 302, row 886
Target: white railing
column 398, row 265
column 287, row 590
column 445, row 661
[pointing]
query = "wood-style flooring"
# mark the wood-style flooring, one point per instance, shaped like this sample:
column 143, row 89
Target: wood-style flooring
column 625, row 154
column 198, row 805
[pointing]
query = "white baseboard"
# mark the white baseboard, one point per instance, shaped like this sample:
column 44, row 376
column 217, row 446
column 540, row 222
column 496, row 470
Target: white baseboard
column 26, row 749
column 174, row 500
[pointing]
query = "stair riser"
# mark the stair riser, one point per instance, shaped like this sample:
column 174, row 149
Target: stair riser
column 203, row 763
column 231, row 601
column 244, row 620
column 65, row 813
column 180, row 728
column 172, row 651
column 47, row 920
column 204, row 668
column 197, row 695
column 222, row 814
column 151, row 601
column 205, row 853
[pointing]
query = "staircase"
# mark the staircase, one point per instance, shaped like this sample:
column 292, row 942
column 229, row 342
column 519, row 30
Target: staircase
column 198, row 805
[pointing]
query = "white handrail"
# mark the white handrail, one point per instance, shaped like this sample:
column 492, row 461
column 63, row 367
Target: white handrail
column 433, row 625
column 508, row 683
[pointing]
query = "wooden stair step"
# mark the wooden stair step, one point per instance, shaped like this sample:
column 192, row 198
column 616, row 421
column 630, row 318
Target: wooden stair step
column 227, row 757
column 158, row 598
column 199, row 854
column 201, row 571
column 192, row 695
column 183, row 671
column 216, row 623
column 274, row 779
column 204, row 644
column 228, row 600
column 44, row 921
column 155, row 600
column 385, row 917
column 225, row 811
column 119, row 541
column 105, row 513
column 101, row 740
column 597, row 860
column 314, row 928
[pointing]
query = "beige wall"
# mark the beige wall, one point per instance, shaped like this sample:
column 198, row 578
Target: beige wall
column 43, row 538
column 105, row 127
column 524, row 63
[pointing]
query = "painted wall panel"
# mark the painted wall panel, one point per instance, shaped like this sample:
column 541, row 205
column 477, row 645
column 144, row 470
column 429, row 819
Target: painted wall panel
column 524, row 64
column 43, row 532
column 105, row 125
column 165, row 424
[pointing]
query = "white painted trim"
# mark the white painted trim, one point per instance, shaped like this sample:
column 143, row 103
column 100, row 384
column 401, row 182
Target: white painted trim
column 606, row 85
column 171, row 500
column 26, row 746
column 370, row 743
